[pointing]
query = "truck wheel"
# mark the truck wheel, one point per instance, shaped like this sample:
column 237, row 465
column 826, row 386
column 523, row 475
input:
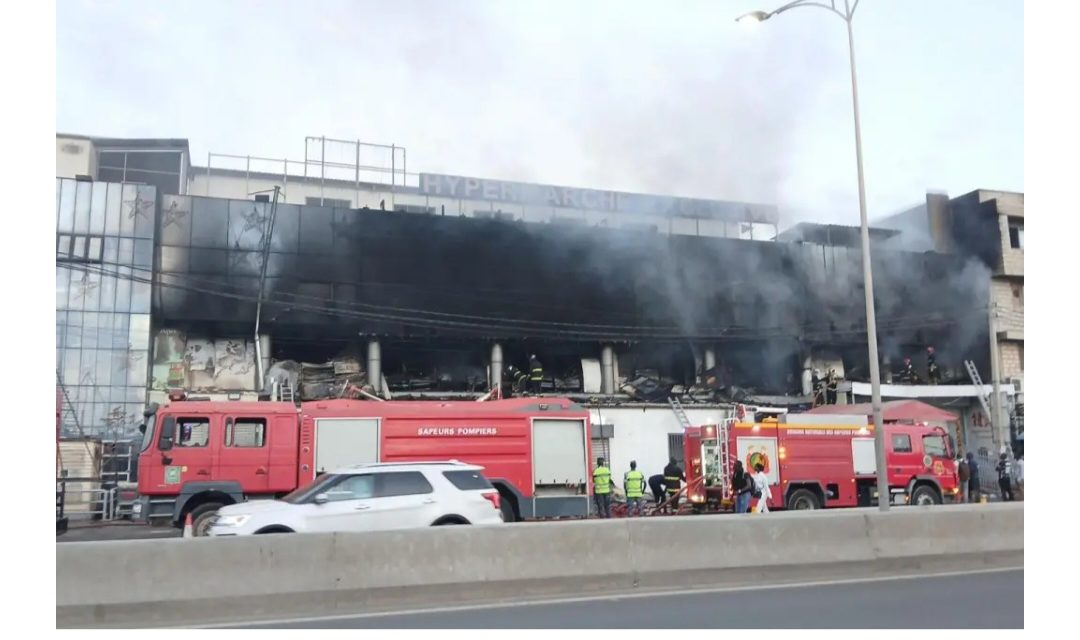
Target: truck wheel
column 507, row 511
column 803, row 500
column 201, row 516
column 924, row 496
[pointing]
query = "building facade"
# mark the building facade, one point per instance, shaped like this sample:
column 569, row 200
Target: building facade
column 430, row 285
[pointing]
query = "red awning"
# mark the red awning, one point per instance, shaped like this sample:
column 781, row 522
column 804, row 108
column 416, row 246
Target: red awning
column 892, row 411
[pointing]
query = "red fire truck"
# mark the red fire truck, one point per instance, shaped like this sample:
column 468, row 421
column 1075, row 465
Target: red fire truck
column 197, row 456
column 824, row 462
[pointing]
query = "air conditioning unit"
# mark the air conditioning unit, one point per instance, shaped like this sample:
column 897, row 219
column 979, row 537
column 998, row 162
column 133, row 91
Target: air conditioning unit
column 1017, row 384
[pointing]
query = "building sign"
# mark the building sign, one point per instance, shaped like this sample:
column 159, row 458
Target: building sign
column 434, row 184
column 457, row 431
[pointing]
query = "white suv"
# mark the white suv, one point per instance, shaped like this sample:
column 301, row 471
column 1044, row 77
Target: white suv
column 371, row 497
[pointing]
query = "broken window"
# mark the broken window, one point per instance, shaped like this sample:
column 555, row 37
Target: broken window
column 1016, row 235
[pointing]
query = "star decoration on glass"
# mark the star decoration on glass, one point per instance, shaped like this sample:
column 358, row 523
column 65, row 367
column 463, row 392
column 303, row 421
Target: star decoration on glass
column 139, row 207
column 255, row 220
column 85, row 286
column 173, row 215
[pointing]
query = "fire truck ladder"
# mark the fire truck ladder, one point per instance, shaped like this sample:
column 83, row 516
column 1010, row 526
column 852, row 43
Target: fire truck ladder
column 973, row 373
column 677, row 407
column 286, row 391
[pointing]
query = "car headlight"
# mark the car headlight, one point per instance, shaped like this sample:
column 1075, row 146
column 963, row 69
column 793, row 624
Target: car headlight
column 230, row 521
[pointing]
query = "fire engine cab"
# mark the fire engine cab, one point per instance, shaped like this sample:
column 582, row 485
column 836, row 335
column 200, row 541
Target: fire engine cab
column 197, row 456
column 820, row 461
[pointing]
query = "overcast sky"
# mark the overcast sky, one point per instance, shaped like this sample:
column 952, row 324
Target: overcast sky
column 657, row 97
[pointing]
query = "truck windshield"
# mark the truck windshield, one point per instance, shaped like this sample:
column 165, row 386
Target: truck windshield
column 935, row 446
column 148, row 434
column 304, row 494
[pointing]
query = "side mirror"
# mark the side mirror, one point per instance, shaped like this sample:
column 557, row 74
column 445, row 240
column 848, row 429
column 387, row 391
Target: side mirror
column 321, row 498
column 165, row 437
column 142, row 428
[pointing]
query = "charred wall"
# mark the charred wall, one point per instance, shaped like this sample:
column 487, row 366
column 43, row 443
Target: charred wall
column 334, row 274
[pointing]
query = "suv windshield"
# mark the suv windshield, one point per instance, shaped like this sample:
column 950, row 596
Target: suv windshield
column 303, row 494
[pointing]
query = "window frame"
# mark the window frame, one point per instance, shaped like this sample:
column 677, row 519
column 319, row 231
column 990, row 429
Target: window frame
column 178, row 432
column 230, row 425
column 944, row 445
column 382, row 478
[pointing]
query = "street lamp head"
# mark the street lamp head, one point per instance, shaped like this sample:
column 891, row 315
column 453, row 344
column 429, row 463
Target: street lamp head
column 753, row 17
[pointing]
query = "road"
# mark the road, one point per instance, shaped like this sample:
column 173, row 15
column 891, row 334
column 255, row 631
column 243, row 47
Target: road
column 91, row 532
column 985, row 599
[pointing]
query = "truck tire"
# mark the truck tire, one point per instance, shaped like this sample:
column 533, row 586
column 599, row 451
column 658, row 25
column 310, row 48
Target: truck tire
column 925, row 495
column 507, row 511
column 803, row 500
column 201, row 516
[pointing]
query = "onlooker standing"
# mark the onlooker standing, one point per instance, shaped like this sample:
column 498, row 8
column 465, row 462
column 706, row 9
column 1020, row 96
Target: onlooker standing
column 1004, row 472
column 741, row 484
column 634, row 484
column 973, row 478
column 602, row 489
column 761, row 489
column 964, row 473
column 1020, row 477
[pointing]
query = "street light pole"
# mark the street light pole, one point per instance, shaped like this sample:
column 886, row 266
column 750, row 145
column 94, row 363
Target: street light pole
column 884, row 497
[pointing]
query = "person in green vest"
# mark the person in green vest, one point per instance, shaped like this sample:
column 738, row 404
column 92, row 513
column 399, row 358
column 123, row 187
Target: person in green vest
column 634, row 483
column 601, row 477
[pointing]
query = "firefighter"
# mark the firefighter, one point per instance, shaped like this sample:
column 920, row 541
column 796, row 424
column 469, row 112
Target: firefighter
column 907, row 373
column 673, row 479
column 536, row 374
column 933, row 373
column 819, row 388
column 517, row 379
column 601, row 477
column 831, row 387
column 656, row 486
column 634, row 483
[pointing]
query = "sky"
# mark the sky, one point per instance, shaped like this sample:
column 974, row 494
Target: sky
column 672, row 98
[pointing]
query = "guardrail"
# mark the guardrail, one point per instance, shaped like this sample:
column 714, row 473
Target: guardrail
column 207, row 580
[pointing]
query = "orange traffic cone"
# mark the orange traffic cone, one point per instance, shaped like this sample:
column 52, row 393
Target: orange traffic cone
column 188, row 532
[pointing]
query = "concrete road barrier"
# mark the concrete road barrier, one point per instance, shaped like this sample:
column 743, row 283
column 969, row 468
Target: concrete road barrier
column 205, row 580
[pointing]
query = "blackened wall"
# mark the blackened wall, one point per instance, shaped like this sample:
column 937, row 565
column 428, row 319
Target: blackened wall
column 336, row 272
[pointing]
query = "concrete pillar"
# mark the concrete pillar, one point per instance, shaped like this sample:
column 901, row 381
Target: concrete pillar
column 710, row 358
column 496, row 370
column 374, row 366
column 807, row 378
column 264, row 352
column 607, row 369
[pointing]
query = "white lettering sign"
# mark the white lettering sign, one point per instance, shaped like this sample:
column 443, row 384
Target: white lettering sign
column 457, row 431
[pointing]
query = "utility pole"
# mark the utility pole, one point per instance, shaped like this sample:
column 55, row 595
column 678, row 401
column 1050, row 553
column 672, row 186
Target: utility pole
column 1000, row 428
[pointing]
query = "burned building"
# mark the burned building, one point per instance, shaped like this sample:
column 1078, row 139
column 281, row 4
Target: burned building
column 432, row 285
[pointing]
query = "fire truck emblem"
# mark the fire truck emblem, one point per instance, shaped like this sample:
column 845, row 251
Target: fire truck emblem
column 927, row 461
column 939, row 468
column 756, row 455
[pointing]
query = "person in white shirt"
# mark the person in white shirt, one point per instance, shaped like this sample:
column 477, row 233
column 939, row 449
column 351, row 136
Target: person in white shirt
column 761, row 489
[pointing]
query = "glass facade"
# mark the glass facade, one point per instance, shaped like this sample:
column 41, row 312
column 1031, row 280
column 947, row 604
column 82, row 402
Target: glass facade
column 104, row 270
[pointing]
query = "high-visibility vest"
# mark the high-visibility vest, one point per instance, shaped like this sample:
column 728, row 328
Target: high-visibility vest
column 601, row 478
column 537, row 374
column 634, row 481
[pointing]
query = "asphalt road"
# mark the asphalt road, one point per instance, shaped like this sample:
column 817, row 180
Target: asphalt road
column 92, row 532
column 988, row 599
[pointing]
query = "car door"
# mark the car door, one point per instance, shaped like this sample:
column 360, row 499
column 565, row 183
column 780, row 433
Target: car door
column 905, row 461
column 245, row 453
column 188, row 449
column 349, row 506
column 405, row 500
